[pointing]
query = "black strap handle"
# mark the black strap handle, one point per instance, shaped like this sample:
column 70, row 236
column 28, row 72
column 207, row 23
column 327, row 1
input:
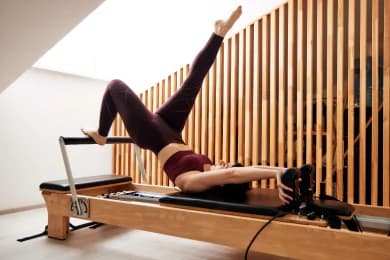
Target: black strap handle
column 89, row 140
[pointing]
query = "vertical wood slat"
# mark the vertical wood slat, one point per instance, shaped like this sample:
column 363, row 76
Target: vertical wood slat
column 191, row 117
column 340, row 99
column 155, row 98
column 309, row 81
column 290, row 85
column 211, row 126
column 218, row 105
column 149, row 155
column 300, row 88
column 198, row 123
column 363, row 105
column 273, row 85
column 114, row 152
column 241, row 97
column 144, row 152
column 122, row 150
column 256, row 116
column 375, row 101
column 319, row 83
column 282, row 86
column 133, row 164
column 264, row 92
column 205, row 117
column 234, row 100
column 386, row 106
column 351, row 100
column 227, row 86
column 273, row 89
column 174, row 86
column 161, row 99
column 179, row 82
column 265, row 96
column 248, row 95
column 329, row 98
column 167, row 94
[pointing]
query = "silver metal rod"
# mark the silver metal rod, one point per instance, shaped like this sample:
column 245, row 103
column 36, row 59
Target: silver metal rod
column 89, row 140
column 140, row 163
column 70, row 176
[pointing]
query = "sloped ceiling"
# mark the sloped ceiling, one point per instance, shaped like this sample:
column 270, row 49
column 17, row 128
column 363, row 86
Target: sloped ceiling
column 28, row 28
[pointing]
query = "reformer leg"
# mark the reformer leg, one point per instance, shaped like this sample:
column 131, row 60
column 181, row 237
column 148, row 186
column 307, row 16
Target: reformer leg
column 58, row 226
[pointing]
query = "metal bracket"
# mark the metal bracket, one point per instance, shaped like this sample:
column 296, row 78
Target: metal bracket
column 82, row 211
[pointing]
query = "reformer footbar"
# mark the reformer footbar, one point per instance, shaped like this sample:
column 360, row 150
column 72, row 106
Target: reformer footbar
column 78, row 206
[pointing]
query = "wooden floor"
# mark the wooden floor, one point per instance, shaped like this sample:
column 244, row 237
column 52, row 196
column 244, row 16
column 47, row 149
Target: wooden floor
column 105, row 242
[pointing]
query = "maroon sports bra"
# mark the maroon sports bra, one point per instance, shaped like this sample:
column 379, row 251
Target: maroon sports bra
column 184, row 161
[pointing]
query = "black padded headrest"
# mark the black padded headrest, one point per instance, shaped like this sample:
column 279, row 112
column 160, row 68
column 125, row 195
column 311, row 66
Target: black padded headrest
column 84, row 182
column 332, row 207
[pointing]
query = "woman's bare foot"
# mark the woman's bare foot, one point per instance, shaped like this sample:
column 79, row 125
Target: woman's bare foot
column 223, row 26
column 101, row 140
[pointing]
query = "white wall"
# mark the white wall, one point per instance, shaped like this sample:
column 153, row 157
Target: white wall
column 34, row 111
column 29, row 28
column 141, row 42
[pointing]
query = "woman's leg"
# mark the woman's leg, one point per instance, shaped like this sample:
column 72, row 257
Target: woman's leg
column 143, row 126
column 119, row 98
column 175, row 111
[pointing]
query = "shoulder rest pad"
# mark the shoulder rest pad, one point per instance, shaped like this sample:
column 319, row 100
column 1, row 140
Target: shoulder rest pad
column 84, row 182
column 333, row 207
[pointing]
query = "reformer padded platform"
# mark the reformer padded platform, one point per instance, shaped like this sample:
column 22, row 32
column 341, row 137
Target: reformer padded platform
column 84, row 182
column 255, row 201
column 261, row 202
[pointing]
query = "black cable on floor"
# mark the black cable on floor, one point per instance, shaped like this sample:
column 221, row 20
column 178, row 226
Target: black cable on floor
column 279, row 214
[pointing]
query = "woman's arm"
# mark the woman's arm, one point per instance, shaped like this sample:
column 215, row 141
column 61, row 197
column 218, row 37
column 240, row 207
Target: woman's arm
column 262, row 172
column 196, row 181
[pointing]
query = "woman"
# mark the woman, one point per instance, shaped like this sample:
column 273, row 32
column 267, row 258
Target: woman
column 160, row 132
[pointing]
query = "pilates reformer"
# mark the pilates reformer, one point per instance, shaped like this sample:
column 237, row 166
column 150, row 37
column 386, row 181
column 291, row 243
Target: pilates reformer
column 229, row 215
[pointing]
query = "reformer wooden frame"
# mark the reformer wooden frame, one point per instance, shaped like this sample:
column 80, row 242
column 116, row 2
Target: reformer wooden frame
column 289, row 236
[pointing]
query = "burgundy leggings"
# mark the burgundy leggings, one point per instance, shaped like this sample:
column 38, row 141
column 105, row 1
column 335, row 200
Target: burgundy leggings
column 154, row 131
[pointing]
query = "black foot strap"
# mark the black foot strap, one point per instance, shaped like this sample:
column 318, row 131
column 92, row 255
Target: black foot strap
column 92, row 225
column 44, row 233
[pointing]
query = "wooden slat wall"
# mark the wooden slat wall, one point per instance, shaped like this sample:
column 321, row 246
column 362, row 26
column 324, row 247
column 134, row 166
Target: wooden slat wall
column 307, row 83
column 386, row 105
column 319, row 90
column 351, row 101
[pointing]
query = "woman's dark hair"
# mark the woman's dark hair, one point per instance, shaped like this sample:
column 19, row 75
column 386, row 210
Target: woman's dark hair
column 237, row 165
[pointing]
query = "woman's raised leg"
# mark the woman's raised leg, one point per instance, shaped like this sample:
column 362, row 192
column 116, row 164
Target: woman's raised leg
column 176, row 110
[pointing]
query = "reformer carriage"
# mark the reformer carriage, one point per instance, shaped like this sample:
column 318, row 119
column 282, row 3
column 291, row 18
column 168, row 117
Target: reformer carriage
column 210, row 216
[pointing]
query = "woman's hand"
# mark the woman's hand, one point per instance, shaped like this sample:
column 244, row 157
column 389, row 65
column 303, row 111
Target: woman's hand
column 283, row 196
column 221, row 165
